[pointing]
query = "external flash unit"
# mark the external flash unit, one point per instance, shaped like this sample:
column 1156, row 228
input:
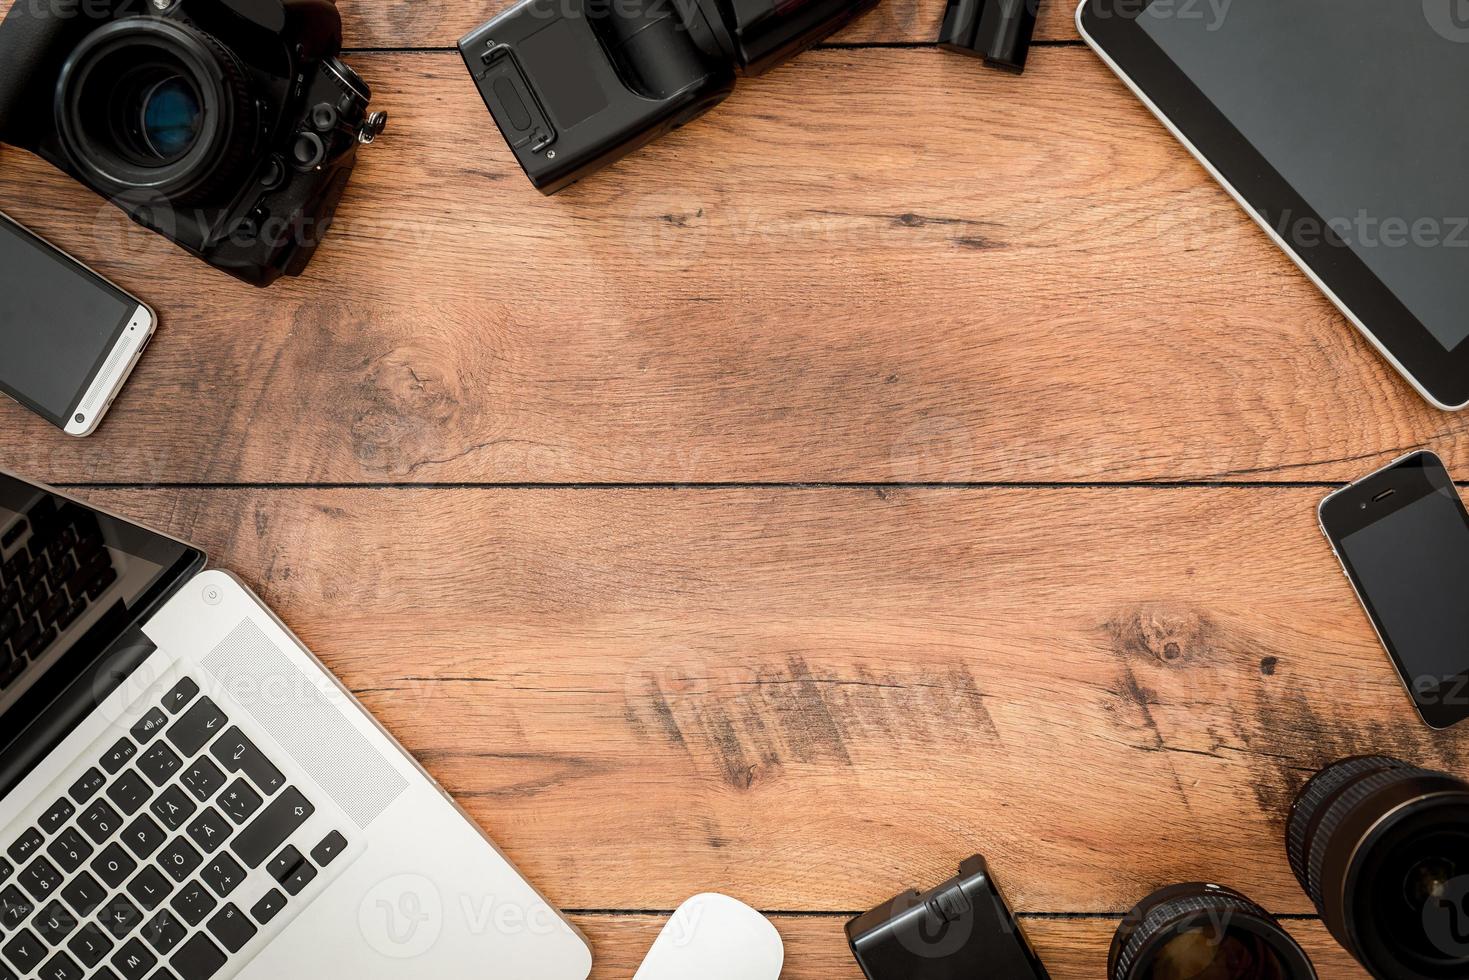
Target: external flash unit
column 575, row 85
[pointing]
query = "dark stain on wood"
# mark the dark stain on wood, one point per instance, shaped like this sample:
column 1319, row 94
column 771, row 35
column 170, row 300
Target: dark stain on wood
column 752, row 723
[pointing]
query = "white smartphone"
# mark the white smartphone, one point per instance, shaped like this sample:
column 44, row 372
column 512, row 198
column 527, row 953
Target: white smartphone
column 68, row 337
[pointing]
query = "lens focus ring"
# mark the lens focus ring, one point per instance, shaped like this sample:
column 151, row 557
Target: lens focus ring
column 110, row 123
column 1316, row 794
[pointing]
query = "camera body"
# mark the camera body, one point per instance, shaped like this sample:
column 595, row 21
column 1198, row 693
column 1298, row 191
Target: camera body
column 575, row 85
column 228, row 126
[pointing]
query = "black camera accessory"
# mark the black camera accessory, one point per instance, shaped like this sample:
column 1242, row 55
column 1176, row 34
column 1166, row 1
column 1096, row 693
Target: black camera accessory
column 1382, row 849
column 997, row 31
column 1201, row 930
column 960, row 930
column 575, row 85
column 228, row 126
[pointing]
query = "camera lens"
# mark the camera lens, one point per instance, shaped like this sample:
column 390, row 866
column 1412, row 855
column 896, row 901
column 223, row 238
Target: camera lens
column 152, row 106
column 171, row 117
column 1204, row 932
column 1382, row 849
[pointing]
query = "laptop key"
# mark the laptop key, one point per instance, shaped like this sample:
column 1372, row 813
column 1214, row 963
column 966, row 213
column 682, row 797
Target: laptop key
column 134, row 961
column 40, row 879
column 164, row 931
column 24, row 951
column 70, row 850
column 222, row 873
column 6, row 870
column 331, row 845
column 60, row 967
column 281, row 866
column 114, row 866
column 90, row 945
column 197, row 959
column 197, row 727
column 129, row 792
column 209, row 830
column 269, row 830
column 54, row 923
column 232, row 928
column 203, row 779
column 178, row 699
column 118, row 756
column 193, row 903
column 149, row 888
column 99, row 821
column 143, row 836
column 301, row 876
column 56, row 817
column 83, row 893
column 239, row 801
column 149, row 725
column 15, row 907
column 173, row 807
column 269, row 906
column 85, row 788
column 159, row 764
column 179, row 859
column 26, row 846
column 119, row 916
column 239, row 755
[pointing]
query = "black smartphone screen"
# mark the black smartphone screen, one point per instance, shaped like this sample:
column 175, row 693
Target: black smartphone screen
column 1403, row 536
column 58, row 322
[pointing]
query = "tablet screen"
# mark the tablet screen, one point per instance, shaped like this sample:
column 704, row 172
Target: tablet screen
column 1359, row 104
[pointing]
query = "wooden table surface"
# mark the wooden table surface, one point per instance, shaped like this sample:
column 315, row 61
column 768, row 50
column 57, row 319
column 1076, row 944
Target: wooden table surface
column 905, row 461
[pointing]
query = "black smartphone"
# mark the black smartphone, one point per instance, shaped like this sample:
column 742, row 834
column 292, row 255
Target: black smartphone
column 1402, row 536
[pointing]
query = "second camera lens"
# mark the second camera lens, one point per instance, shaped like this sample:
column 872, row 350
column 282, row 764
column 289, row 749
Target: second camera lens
column 1204, row 932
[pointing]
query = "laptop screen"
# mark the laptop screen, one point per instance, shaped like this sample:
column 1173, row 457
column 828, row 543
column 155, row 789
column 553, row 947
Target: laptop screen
column 73, row 583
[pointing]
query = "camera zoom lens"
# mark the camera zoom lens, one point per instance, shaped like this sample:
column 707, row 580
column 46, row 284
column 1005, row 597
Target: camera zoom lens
column 1204, row 932
column 155, row 107
column 171, row 117
column 1382, row 849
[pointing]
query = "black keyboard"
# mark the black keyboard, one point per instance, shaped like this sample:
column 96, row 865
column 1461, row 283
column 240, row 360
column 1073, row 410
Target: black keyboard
column 139, row 872
column 53, row 564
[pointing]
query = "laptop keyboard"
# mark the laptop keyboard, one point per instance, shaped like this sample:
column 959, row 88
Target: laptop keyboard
column 136, row 873
column 48, row 580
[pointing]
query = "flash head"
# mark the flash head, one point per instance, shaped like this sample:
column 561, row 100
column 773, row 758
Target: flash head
column 575, row 85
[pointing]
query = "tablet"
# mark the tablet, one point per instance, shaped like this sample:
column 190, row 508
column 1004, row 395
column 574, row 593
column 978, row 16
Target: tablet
column 1342, row 126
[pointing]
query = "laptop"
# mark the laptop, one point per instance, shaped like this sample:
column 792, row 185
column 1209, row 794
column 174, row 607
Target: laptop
column 189, row 794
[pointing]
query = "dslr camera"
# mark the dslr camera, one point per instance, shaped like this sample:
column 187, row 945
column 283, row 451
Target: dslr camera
column 575, row 85
column 228, row 126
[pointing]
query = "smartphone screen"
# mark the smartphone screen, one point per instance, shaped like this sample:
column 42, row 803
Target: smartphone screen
column 58, row 323
column 1402, row 535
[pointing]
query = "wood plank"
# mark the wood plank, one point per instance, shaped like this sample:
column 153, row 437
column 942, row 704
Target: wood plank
column 816, row 948
column 803, row 287
column 414, row 24
column 811, row 698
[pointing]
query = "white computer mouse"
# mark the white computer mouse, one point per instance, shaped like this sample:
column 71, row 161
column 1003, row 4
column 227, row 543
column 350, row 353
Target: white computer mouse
column 714, row 937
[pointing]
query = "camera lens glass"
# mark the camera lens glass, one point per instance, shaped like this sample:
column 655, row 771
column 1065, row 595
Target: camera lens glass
column 155, row 106
column 1204, row 932
column 171, row 116
column 1382, row 848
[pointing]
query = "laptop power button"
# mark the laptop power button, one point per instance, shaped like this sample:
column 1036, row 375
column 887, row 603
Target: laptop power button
column 212, row 595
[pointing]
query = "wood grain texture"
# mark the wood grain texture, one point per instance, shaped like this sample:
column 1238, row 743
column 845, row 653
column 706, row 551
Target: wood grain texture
column 809, row 285
column 816, row 948
column 416, row 24
column 810, row 698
